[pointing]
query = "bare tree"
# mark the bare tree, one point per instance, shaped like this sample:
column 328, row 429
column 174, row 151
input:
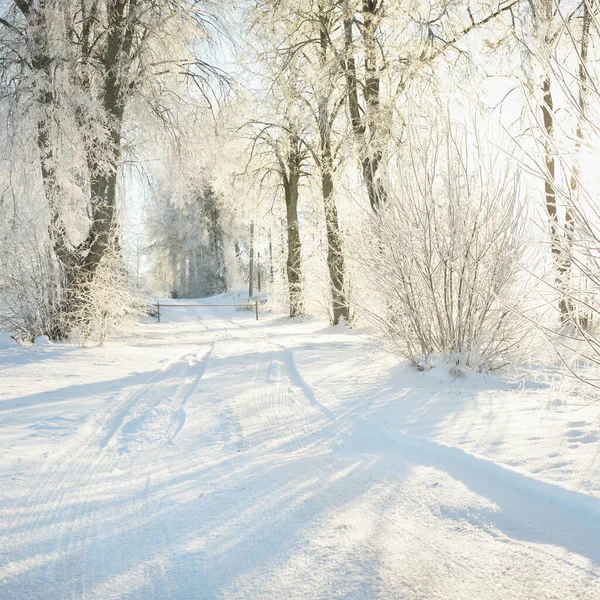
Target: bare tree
column 290, row 156
column 434, row 37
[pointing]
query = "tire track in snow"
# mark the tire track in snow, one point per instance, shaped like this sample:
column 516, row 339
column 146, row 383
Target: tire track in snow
column 158, row 420
column 85, row 457
column 283, row 411
column 105, row 461
column 293, row 414
column 298, row 380
column 83, row 442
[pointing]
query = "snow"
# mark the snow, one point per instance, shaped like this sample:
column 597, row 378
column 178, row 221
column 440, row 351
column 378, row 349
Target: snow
column 214, row 456
column 6, row 341
column 42, row 340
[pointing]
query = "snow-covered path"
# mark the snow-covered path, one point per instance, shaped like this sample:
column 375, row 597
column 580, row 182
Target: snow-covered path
column 212, row 456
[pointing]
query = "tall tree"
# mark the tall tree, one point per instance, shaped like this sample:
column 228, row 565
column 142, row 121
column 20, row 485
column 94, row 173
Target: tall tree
column 326, row 116
column 288, row 154
column 302, row 37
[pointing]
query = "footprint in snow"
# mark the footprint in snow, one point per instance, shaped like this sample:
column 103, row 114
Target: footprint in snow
column 580, row 435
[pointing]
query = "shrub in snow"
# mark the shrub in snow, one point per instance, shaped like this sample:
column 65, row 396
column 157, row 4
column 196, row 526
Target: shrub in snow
column 443, row 258
column 105, row 303
column 30, row 289
column 34, row 304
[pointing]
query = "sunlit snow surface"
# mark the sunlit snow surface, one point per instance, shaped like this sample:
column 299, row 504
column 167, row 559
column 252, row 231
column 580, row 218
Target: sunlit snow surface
column 213, row 456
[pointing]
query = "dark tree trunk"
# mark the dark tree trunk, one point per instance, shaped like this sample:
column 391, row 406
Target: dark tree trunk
column 271, row 271
column 335, row 256
column 216, row 243
column 291, row 186
column 251, row 266
column 366, row 126
column 103, row 178
column 192, row 271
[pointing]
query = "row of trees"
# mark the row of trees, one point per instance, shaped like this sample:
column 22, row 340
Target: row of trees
column 347, row 96
column 330, row 88
column 427, row 166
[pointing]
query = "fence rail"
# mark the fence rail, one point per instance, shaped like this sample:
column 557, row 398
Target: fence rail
column 159, row 305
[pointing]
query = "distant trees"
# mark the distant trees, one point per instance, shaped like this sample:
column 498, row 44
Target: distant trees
column 187, row 243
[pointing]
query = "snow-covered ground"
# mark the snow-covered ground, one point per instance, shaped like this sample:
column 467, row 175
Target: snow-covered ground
column 214, row 456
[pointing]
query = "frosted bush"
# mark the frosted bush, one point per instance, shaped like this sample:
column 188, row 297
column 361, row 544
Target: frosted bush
column 102, row 306
column 443, row 258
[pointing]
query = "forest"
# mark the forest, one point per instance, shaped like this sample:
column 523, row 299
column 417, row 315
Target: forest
column 428, row 169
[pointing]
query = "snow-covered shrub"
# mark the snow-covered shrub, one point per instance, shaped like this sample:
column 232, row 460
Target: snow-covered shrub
column 30, row 289
column 104, row 304
column 443, row 255
column 33, row 293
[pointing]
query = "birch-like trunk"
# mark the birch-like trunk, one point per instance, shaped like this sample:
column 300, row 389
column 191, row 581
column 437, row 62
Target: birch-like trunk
column 560, row 235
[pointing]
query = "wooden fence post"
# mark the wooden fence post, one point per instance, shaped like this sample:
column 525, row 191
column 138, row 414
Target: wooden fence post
column 256, row 307
column 158, row 311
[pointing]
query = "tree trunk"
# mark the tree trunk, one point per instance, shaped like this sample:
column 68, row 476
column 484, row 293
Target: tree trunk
column 573, row 207
column 560, row 254
column 560, row 236
column 192, row 270
column 183, row 275
column 291, row 184
column 216, row 243
column 103, row 178
column 335, row 256
column 365, row 127
column 271, row 271
column 251, row 273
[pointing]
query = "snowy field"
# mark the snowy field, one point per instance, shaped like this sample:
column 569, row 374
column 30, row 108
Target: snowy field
column 213, row 456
